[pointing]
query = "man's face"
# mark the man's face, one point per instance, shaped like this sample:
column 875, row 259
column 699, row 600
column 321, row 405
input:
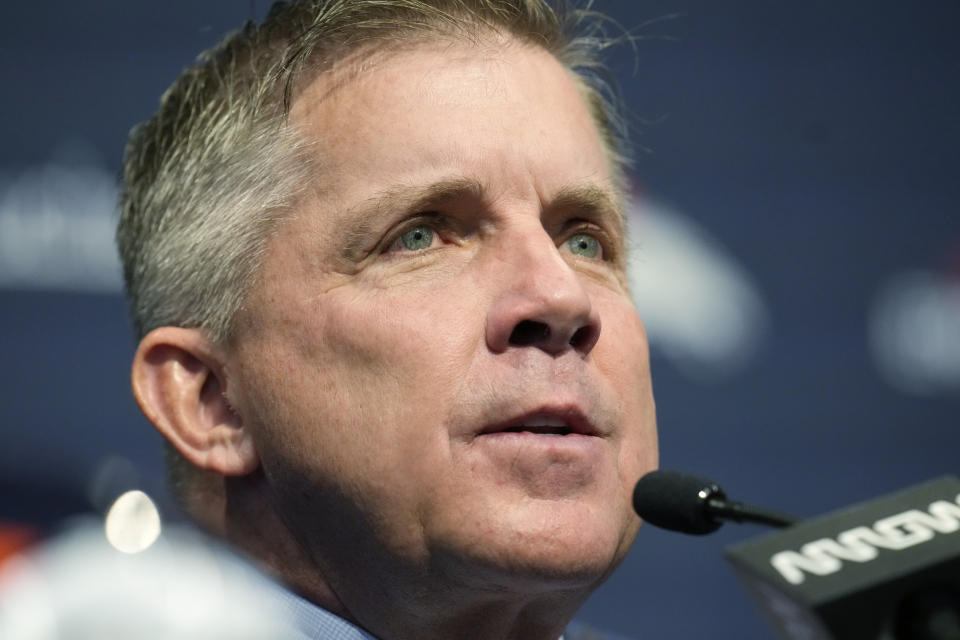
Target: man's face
column 440, row 364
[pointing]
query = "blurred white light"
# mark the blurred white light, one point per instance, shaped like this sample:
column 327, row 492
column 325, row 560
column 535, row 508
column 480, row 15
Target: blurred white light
column 76, row 586
column 701, row 308
column 56, row 229
column 132, row 523
column 915, row 332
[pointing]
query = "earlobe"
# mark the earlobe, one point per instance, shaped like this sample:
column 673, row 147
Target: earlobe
column 179, row 382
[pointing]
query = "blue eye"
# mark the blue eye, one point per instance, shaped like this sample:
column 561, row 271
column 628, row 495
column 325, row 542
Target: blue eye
column 585, row 245
column 416, row 239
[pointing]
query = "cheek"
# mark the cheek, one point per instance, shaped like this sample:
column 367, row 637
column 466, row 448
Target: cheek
column 358, row 379
column 348, row 397
column 412, row 337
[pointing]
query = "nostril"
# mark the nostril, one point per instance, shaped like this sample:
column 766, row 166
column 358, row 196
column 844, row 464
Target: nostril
column 529, row 332
column 581, row 338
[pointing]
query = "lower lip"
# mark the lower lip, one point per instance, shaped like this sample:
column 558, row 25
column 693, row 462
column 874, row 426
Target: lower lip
column 566, row 448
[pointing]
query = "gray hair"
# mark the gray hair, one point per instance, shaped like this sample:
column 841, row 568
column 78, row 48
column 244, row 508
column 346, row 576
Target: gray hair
column 208, row 177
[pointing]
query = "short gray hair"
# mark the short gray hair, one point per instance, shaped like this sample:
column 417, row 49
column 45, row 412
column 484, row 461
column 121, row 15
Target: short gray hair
column 208, row 177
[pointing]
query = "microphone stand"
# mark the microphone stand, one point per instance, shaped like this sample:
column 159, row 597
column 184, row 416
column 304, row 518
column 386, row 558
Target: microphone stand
column 721, row 509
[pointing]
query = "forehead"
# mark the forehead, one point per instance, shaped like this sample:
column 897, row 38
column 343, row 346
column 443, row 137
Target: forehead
column 490, row 113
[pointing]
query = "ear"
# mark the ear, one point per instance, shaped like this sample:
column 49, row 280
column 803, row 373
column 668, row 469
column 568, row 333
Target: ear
column 179, row 382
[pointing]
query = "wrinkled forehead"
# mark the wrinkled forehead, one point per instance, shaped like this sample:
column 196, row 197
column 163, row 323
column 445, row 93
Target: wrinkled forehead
column 325, row 81
column 471, row 60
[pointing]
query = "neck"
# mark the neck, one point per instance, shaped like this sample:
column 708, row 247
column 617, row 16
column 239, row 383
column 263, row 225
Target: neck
column 368, row 588
column 400, row 608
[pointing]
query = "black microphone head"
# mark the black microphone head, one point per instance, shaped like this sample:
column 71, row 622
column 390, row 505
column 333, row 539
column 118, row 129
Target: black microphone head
column 677, row 501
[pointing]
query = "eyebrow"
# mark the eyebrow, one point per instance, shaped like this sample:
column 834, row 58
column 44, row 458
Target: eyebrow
column 593, row 199
column 402, row 198
column 603, row 205
column 366, row 215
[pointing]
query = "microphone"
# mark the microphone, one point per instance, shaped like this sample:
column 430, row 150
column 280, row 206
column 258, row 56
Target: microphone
column 886, row 569
column 689, row 504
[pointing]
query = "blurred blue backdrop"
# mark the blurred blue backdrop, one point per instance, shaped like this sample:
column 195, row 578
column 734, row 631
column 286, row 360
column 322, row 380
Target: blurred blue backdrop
column 798, row 260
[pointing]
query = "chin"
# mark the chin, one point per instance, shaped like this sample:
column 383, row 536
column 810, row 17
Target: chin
column 553, row 546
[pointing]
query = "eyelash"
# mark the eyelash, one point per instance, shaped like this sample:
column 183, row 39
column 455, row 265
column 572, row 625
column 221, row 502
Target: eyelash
column 434, row 222
column 440, row 225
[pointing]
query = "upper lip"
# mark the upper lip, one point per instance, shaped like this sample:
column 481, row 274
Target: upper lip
column 563, row 419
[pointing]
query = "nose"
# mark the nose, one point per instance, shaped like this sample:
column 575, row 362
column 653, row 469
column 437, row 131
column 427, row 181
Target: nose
column 541, row 301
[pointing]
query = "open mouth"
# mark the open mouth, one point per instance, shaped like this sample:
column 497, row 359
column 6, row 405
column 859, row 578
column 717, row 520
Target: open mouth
column 546, row 424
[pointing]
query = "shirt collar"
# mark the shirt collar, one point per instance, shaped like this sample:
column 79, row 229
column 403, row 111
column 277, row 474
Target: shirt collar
column 315, row 623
